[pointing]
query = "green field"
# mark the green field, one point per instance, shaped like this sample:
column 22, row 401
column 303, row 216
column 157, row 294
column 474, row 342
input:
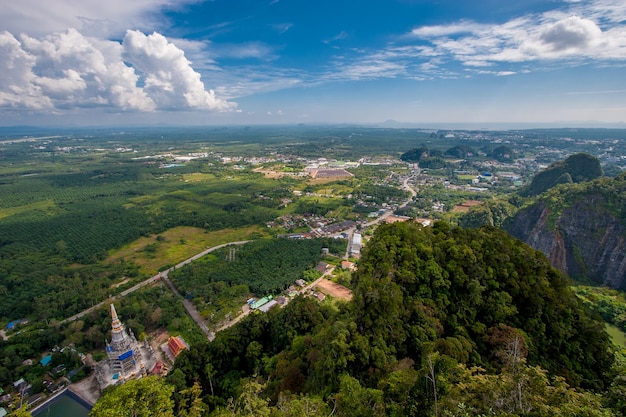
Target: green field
column 617, row 335
column 154, row 252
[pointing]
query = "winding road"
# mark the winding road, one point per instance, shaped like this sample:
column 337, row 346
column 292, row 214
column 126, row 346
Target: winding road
column 189, row 307
column 193, row 312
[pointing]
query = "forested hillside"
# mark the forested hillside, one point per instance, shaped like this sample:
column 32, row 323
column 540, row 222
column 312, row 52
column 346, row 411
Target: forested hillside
column 577, row 168
column 444, row 321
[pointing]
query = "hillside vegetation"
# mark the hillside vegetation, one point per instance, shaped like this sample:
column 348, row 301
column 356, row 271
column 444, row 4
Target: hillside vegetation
column 577, row 168
column 440, row 317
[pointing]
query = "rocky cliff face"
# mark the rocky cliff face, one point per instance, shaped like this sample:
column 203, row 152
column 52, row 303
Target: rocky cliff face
column 585, row 240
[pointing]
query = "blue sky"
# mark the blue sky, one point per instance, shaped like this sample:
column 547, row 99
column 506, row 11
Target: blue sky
column 480, row 62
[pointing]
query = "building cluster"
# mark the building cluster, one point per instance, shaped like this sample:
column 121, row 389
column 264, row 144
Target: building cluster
column 54, row 380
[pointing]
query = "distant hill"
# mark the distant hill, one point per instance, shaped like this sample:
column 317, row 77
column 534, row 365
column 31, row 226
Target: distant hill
column 577, row 168
column 415, row 155
column 581, row 228
column 460, row 151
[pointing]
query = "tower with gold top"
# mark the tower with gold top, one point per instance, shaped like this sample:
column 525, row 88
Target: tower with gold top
column 123, row 350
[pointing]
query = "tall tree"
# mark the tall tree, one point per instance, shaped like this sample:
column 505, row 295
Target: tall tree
column 146, row 397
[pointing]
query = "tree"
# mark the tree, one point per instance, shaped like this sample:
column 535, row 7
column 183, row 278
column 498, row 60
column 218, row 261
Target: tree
column 21, row 412
column 353, row 400
column 249, row 403
column 479, row 393
column 191, row 404
column 302, row 406
column 146, row 397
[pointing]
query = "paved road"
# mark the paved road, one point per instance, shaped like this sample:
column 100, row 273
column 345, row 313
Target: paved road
column 189, row 307
column 162, row 275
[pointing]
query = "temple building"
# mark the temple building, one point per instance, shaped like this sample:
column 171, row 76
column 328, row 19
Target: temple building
column 122, row 351
column 177, row 344
column 124, row 355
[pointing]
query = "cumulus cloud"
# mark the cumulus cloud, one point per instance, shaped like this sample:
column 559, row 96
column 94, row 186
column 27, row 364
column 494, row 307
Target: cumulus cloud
column 16, row 84
column 170, row 80
column 70, row 70
column 573, row 32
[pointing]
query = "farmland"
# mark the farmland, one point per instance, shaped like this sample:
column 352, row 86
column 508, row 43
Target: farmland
column 82, row 213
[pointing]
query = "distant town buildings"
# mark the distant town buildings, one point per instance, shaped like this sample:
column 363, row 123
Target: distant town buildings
column 357, row 242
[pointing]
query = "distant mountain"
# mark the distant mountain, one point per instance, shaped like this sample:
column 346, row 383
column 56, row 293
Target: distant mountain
column 577, row 168
column 580, row 227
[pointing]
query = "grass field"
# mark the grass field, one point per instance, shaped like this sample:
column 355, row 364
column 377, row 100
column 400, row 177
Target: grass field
column 42, row 207
column 198, row 177
column 618, row 336
column 176, row 245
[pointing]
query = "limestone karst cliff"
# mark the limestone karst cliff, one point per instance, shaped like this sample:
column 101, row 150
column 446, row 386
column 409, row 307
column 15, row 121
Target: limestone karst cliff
column 581, row 229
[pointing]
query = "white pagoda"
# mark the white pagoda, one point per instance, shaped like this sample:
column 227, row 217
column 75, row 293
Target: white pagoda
column 123, row 349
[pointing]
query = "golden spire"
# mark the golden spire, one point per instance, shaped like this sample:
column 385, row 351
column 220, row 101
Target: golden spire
column 116, row 324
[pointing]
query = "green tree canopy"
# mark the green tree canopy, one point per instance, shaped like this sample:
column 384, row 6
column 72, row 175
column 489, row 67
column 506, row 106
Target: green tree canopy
column 146, row 397
column 577, row 168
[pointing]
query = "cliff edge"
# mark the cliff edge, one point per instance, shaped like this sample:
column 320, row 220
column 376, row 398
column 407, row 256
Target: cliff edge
column 581, row 228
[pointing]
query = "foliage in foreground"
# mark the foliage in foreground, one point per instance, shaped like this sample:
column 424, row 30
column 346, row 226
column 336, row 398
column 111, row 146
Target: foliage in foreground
column 145, row 397
column 444, row 321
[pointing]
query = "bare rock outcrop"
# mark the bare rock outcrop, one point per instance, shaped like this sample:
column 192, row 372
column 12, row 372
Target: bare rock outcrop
column 585, row 240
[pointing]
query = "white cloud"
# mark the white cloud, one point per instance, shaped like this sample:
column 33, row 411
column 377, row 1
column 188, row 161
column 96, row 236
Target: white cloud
column 577, row 33
column 338, row 37
column 571, row 33
column 447, row 30
column 170, row 80
column 584, row 32
column 505, row 73
column 256, row 50
column 370, row 68
column 99, row 18
column 16, row 83
column 73, row 71
column 69, row 70
column 282, row 27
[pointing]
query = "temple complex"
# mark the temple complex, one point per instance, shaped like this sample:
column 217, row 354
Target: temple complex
column 126, row 357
